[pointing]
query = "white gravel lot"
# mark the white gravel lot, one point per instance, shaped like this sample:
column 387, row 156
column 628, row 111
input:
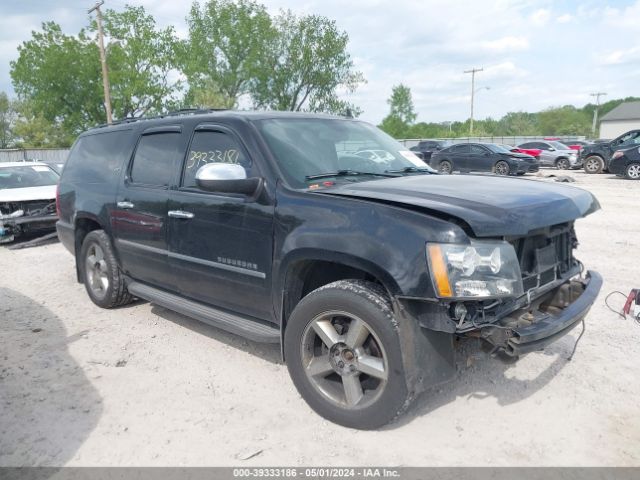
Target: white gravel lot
column 144, row 386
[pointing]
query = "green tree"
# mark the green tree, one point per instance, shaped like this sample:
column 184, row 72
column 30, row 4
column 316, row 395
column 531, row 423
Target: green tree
column 60, row 76
column 8, row 115
column 225, row 48
column 519, row 123
column 401, row 104
column 141, row 58
column 307, row 64
column 32, row 129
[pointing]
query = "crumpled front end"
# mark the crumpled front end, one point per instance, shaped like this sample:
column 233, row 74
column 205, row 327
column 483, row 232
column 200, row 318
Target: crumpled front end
column 18, row 218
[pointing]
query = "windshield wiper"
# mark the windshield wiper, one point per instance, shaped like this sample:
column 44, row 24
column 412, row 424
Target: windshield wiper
column 411, row 170
column 348, row 173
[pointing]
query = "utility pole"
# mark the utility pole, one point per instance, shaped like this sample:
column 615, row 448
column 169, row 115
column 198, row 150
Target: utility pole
column 103, row 61
column 473, row 91
column 595, row 112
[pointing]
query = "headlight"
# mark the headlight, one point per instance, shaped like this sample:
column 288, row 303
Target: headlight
column 478, row 270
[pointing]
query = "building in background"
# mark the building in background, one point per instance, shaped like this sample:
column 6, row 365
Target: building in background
column 621, row 119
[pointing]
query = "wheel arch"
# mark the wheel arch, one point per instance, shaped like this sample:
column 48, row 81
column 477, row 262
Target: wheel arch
column 84, row 223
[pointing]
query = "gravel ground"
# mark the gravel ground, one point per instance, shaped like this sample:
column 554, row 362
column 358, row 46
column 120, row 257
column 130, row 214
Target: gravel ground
column 144, row 386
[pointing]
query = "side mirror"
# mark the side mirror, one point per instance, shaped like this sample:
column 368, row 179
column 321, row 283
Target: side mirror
column 226, row 178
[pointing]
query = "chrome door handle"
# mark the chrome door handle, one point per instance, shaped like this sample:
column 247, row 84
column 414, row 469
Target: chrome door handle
column 125, row 205
column 180, row 214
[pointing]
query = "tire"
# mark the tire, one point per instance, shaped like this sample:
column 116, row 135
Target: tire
column 563, row 164
column 502, row 168
column 593, row 164
column 632, row 171
column 100, row 272
column 363, row 386
column 445, row 167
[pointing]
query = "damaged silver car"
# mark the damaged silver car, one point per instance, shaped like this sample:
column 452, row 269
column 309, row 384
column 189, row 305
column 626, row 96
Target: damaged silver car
column 27, row 199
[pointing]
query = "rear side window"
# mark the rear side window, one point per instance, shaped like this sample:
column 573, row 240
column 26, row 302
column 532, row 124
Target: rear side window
column 99, row 158
column 156, row 159
column 477, row 150
column 460, row 149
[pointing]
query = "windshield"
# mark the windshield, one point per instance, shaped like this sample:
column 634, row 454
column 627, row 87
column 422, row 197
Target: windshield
column 308, row 147
column 559, row 146
column 498, row 148
column 27, row 176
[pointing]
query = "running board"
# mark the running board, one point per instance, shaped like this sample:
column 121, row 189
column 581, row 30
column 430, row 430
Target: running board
column 245, row 327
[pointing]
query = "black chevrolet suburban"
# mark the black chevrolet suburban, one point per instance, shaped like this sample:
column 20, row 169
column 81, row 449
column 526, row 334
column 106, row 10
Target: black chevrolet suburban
column 270, row 226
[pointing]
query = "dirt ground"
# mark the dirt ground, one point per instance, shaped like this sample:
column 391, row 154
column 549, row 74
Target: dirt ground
column 144, row 386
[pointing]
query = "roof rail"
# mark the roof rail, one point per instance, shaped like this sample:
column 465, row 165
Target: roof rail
column 174, row 113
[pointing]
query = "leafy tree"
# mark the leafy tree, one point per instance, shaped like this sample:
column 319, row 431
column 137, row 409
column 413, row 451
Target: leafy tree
column 307, row 64
column 33, row 130
column 401, row 104
column 141, row 58
column 61, row 77
column 8, row 116
column 225, row 49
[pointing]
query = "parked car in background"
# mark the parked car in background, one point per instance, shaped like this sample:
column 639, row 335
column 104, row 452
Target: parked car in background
column 534, row 152
column 596, row 157
column 626, row 163
column 27, row 199
column 426, row 148
column 554, row 154
column 483, row 157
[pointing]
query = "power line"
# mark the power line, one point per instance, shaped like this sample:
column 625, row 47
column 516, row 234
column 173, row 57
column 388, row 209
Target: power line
column 103, row 60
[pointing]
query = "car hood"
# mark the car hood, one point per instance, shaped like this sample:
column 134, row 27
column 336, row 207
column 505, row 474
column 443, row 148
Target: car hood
column 491, row 206
column 47, row 192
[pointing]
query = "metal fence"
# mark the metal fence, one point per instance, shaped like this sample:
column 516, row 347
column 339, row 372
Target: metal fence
column 506, row 140
column 49, row 155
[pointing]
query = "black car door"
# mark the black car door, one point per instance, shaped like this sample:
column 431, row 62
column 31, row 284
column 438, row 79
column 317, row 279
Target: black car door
column 139, row 221
column 479, row 159
column 460, row 156
column 221, row 244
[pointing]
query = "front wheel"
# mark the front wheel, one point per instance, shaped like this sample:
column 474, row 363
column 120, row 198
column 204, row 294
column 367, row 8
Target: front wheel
column 502, row 168
column 593, row 164
column 563, row 164
column 632, row 172
column 344, row 357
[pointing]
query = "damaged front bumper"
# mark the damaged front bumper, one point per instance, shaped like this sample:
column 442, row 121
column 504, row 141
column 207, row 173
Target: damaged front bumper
column 15, row 224
column 549, row 318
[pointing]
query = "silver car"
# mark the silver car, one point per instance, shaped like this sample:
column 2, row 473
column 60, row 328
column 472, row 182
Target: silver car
column 555, row 154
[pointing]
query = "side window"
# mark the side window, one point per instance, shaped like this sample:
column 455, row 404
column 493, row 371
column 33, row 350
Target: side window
column 99, row 157
column 460, row 149
column 212, row 147
column 528, row 145
column 630, row 139
column 155, row 159
column 477, row 150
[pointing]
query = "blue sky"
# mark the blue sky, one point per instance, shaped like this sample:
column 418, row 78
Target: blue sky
column 535, row 54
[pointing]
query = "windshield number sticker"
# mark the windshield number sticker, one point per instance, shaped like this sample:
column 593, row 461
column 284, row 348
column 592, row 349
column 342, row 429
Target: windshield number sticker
column 199, row 158
column 412, row 157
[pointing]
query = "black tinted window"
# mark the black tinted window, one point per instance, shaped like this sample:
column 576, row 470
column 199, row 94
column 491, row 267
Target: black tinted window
column 527, row 145
column 212, row 147
column 99, row 158
column 155, row 159
column 460, row 149
column 477, row 149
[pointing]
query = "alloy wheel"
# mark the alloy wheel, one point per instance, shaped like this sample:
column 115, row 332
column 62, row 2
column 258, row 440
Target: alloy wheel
column 563, row 164
column 344, row 360
column 633, row 171
column 445, row 167
column 592, row 165
column 97, row 271
column 502, row 168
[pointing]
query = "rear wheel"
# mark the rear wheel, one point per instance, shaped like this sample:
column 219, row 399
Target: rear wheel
column 632, row 172
column 344, row 357
column 593, row 164
column 563, row 164
column 100, row 272
column 445, row 167
column 502, row 168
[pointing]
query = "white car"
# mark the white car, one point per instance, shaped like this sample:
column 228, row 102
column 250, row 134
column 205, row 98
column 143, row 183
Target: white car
column 27, row 199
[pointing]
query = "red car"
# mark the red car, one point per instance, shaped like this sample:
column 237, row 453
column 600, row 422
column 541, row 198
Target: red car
column 534, row 152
